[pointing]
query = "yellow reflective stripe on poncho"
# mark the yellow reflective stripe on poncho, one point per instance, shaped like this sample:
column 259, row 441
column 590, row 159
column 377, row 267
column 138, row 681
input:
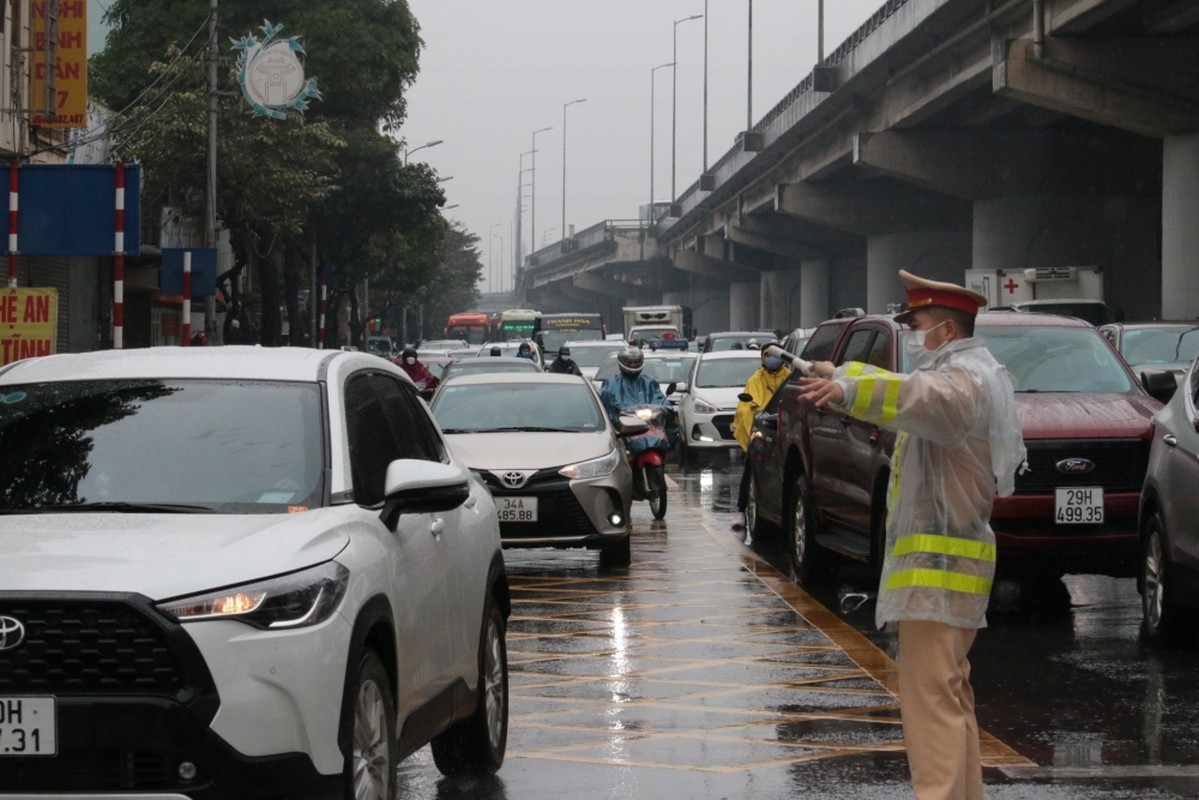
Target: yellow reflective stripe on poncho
column 939, row 579
column 944, row 545
column 864, row 400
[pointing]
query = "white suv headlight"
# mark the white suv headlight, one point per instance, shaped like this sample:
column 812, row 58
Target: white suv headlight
column 595, row 468
column 704, row 407
column 302, row 598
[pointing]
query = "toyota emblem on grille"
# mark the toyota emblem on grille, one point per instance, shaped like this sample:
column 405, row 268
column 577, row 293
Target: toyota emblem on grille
column 513, row 480
column 1074, row 466
column 12, row 633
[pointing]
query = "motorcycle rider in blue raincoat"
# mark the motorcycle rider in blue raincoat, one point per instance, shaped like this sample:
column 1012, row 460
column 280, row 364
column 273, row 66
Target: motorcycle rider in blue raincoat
column 629, row 387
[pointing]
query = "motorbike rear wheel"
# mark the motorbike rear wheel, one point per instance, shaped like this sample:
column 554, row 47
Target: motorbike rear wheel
column 655, row 490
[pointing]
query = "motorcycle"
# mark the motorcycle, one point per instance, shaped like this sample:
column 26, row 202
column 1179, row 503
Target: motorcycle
column 647, row 446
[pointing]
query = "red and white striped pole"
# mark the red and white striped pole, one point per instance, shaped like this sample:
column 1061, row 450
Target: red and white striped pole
column 187, row 299
column 13, row 205
column 118, row 264
column 320, row 331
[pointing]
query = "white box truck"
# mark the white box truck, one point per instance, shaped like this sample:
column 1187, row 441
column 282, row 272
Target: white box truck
column 1074, row 291
column 657, row 323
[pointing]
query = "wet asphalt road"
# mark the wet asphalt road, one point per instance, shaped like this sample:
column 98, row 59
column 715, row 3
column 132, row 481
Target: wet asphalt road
column 702, row 671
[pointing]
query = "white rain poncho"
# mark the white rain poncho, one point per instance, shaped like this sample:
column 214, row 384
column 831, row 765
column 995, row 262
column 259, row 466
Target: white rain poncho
column 959, row 443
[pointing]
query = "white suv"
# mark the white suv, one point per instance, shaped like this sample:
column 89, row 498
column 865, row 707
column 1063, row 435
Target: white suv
column 238, row 571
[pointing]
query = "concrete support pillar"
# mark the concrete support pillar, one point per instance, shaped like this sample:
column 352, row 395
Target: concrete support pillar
column 779, row 291
column 1180, row 234
column 1117, row 233
column 814, row 299
column 709, row 305
column 847, row 283
column 936, row 255
column 744, row 308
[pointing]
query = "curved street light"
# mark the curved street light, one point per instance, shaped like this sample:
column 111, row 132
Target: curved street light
column 564, row 107
column 652, row 199
column 533, row 191
column 433, row 143
column 674, row 96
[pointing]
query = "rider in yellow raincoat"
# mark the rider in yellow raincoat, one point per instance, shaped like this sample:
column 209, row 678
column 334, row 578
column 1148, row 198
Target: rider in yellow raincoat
column 761, row 385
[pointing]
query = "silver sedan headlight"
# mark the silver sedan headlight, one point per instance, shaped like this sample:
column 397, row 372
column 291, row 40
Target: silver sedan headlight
column 593, row 468
column 702, row 407
column 302, row 598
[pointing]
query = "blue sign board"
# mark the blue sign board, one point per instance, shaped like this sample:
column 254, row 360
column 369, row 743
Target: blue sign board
column 170, row 274
column 70, row 210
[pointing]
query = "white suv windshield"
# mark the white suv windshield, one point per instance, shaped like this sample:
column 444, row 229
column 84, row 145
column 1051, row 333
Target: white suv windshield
column 171, row 445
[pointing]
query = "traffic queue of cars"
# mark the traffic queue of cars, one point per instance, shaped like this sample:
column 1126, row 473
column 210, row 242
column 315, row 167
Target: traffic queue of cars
column 1108, row 486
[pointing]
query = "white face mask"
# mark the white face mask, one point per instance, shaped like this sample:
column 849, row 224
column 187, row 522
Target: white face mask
column 410, row 361
column 919, row 356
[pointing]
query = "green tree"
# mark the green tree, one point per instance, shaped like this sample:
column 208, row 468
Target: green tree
column 331, row 181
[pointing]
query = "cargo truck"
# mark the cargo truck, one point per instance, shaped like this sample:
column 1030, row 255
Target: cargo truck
column 657, row 324
column 1073, row 291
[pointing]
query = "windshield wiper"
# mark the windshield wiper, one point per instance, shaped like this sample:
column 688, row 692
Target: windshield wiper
column 120, row 508
column 529, row 429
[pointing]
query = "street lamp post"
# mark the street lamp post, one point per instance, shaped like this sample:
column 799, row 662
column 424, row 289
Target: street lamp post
column 674, row 96
column 433, row 143
column 749, row 72
column 490, row 263
column 500, row 270
column 533, row 191
column 564, row 107
column 705, row 86
column 518, row 233
column 652, row 199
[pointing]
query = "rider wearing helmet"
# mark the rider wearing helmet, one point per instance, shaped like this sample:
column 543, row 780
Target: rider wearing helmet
column 630, row 387
column 563, row 364
column 418, row 372
column 761, row 386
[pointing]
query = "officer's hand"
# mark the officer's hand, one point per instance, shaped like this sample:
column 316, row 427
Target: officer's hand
column 823, row 369
column 821, row 391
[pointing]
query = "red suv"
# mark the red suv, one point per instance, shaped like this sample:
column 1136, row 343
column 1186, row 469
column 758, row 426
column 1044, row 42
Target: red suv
column 822, row 475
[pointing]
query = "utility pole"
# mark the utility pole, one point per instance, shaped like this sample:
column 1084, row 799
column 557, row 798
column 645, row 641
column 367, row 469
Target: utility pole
column 210, row 210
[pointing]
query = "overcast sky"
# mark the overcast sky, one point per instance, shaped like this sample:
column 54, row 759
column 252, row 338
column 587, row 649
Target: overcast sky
column 494, row 71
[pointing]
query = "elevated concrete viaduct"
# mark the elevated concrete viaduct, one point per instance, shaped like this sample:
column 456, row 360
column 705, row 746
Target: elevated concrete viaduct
column 944, row 135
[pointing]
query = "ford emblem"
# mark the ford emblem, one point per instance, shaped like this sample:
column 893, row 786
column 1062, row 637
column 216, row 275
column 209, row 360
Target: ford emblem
column 1074, row 466
column 513, row 480
column 12, row 633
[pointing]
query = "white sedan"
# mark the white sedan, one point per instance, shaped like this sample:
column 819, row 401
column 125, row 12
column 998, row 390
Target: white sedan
column 707, row 405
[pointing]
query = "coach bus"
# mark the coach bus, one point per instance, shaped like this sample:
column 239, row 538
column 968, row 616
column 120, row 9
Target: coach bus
column 551, row 331
column 470, row 326
column 514, row 324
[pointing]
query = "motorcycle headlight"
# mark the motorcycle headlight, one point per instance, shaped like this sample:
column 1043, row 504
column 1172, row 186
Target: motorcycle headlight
column 702, row 407
column 593, row 468
column 297, row 600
